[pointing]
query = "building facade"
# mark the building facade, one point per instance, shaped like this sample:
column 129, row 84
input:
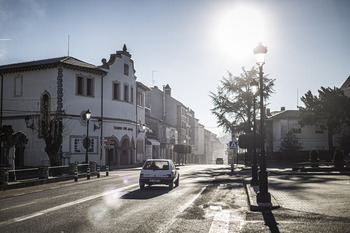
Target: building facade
column 67, row 87
column 279, row 123
column 171, row 122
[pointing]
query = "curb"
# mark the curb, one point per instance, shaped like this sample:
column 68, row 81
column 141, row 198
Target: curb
column 301, row 173
column 252, row 201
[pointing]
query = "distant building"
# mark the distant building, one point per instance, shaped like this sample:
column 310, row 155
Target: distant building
column 346, row 87
column 171, row 122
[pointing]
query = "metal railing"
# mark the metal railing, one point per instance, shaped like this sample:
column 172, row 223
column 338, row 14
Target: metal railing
column 56, row 171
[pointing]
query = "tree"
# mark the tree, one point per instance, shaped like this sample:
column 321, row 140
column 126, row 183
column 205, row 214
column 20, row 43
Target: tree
column 291, row 144
column 51, row 129
column 52, row 133
column 182, row 150
column 233, row 102
column 11, row 139
column 330, row 108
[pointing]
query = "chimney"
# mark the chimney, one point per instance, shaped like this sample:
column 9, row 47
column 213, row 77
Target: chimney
column 283, row 108
column 268, row 112
column 167, row 90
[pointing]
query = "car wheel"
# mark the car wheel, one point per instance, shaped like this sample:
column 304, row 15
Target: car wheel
column 177, row 181
column 142, row 186
column 171, row 185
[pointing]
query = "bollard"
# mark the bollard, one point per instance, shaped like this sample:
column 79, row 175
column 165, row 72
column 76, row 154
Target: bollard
column 98, row 172
column 107, row 170
column 75, row 175
column 88, row 173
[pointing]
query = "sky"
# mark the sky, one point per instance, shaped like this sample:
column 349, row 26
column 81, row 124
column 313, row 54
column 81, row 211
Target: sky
column 190, row 44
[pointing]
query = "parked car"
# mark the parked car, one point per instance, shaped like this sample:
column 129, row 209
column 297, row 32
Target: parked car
column 159, row 171
column 219, row 161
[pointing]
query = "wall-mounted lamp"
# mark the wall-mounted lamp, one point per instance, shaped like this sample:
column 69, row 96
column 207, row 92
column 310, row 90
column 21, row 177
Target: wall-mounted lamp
column 98, row 125
column 29, row 122
column 142, row 128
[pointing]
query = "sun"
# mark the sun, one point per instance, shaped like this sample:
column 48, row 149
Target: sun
column 239, row 31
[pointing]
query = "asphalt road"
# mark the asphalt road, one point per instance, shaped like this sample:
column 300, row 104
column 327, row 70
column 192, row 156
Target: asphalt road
column 209, row 199
column 108, row 204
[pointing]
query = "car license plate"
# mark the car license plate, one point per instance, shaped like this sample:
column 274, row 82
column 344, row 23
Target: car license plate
column 155, row 181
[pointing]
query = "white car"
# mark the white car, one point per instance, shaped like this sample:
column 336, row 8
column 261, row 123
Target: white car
column 159, row 171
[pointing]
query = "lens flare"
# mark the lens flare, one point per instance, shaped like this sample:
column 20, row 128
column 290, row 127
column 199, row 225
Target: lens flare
column 112, row 198
column 98, row 214
column 126, row 180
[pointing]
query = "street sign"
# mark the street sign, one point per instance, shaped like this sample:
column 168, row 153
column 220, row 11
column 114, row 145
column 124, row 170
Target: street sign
column 234, row 145
column 108, row 142
column 86, row 142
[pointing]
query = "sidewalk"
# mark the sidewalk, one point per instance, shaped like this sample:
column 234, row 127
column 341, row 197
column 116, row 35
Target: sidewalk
column 281, row 193
column 251, row 191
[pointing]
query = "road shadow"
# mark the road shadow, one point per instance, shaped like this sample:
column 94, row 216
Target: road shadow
column 146, row 193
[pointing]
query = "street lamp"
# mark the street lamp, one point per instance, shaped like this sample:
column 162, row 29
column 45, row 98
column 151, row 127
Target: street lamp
column 254, row 181
column 263, row 195
column 87, row 143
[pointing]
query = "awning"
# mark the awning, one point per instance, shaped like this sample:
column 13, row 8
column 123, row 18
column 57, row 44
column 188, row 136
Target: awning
column 154, row 142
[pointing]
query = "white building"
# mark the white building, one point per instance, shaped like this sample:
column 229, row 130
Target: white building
column 69, row 87
column 172, row 123
column 346, row 87
column 281, row 122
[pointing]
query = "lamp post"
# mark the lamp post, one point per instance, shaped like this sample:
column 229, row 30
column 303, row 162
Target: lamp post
column 263, row 195
column 87, row 143
column 254, row 181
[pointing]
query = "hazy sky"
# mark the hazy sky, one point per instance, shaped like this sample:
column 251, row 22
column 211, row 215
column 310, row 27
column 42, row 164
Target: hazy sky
column 190, row 44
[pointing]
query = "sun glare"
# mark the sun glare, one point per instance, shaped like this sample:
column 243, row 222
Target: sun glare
column 240, row 30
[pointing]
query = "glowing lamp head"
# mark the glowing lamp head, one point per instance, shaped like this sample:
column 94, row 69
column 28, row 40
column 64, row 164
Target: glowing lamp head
column 260, row 52
column 254, row 87
column 88, row 114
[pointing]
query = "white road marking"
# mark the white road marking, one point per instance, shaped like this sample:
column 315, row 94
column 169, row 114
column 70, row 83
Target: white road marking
column 224, row 218
column 29, row 216
column 38, row 200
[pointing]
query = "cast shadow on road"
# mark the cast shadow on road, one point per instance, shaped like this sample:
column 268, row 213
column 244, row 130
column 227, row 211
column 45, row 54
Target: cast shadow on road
column 146, row 193
column 270, row 221
column 207, row 173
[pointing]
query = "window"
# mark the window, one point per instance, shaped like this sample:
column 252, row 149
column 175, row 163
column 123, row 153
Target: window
column 85, row 86
column 156, row 165
column 132, row 95
column 296, row 128
column 80, row 86
column 126, row 69
column 140, row 99
column 89, row 87
column 126, row 93
column 18, row 85
column 116, row 91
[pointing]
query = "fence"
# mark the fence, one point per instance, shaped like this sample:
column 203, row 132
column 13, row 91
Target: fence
column 43, row 172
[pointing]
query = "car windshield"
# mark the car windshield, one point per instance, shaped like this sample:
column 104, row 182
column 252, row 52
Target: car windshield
column 156, row 165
